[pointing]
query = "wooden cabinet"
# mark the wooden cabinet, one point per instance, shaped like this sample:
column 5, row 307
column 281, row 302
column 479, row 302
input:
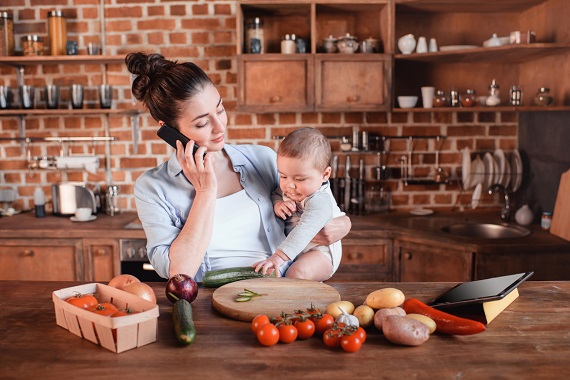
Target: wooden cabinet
column 462, row 61
column 314, row 81
column 102, row 259
column 42, row 259
column 366, row 260
column 432, row 262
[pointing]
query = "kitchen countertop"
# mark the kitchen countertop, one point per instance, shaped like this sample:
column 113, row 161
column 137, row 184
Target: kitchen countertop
column 530, row 339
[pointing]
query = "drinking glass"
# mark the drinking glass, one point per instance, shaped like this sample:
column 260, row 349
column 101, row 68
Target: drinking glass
column 27, row 96
column 51, row 92
column 5, row 97
column 76, row 96
column 105, row 95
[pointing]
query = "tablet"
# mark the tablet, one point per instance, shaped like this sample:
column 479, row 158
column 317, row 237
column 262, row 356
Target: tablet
column 478, row 291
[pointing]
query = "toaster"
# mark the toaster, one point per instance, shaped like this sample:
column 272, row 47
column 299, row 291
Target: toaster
column 69, row 196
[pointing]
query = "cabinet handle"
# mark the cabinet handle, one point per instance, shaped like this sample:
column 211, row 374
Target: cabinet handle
column 408, row 255
column 275, row 99
column 27, row 253
column 353, row 98
column 101, row 252
column 355, row 255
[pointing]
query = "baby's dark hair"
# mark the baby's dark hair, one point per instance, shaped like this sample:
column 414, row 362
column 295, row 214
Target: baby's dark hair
column 307, row 143
column 163, row 85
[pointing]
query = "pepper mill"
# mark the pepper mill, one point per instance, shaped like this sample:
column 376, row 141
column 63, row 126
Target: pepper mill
column 111, row 200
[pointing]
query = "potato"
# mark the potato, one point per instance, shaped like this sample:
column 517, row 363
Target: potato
column 405, row 331
column 430, row 323
column 365, row 315
column 333, row 309
column 383, row 313
column 387, row 297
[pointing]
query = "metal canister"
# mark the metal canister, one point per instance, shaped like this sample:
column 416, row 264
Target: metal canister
column 6, row 34
column 57, row 32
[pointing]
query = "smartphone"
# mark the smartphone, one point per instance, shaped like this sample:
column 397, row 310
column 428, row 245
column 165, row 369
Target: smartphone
column 170, row 135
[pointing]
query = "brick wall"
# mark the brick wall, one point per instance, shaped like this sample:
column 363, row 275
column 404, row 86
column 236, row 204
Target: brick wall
column 204, row 31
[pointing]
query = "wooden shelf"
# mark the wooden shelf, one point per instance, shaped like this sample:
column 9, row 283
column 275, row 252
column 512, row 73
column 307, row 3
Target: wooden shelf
column 485, row 109
column 503, row 54
column 479, row 6
column 61, row 59
column 76, row 112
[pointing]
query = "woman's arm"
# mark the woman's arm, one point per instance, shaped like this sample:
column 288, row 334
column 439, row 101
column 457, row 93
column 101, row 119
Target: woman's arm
column 333, row 231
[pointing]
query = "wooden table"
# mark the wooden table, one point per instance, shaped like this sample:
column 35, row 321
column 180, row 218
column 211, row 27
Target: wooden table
column 530, row 339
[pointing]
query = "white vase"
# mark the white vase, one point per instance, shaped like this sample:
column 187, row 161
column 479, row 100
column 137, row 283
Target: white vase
column 407, row 44
column 524, row 216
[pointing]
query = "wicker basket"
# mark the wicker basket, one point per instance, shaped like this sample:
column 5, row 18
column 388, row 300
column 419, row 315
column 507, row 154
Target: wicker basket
column 115, row 334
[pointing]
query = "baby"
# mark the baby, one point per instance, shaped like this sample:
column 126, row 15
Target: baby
column 306, row 203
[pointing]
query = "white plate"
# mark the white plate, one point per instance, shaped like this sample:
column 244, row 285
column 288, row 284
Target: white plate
column 516, row 170
column 507, row 175
column 499, row 157
column 476, row 196
column 466, row 168
column 457, row 47
column 91, row 218
column 489, row 170
column 478, row 173
column 421, row 211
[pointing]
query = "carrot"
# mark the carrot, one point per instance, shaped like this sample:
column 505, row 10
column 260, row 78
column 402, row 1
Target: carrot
column 446, row 323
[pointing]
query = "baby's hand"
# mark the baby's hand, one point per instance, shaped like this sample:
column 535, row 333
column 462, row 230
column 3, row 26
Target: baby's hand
column 270, row 265
column 284, row 209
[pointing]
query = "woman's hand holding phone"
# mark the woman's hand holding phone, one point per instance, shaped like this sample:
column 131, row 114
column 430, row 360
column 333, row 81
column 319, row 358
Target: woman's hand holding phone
column 197, row 167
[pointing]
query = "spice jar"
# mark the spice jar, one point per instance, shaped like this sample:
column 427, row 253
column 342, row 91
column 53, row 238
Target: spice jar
column 468, row 99
column 493, row 99
column 440, row 99
column 546, row 220
column 543, row 97
column 57, row 32
column 32, row 45
column 288, row 45
column 6, row 34
column 255, row 39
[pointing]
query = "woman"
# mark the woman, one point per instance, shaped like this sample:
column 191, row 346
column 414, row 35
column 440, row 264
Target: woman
column 210, row 210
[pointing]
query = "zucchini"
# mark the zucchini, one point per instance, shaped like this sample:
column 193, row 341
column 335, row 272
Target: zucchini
column 183, row 323
column 217, row 278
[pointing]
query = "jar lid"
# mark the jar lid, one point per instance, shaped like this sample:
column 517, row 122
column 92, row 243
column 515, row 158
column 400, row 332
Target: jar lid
column 31, row 37
column 6, row 15
column 56, row 13
column 256, row 22
column 547, row 213
column 470, row 91
column 544, row 89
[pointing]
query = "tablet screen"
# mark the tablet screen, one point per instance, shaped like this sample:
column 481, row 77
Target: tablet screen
column 481, row 290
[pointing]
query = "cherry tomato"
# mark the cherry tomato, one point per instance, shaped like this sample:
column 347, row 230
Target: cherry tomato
column 83, row 301
column 324, row 323
column 305, row 328
column 259, row 321
column 106, row 309
column 361, row 334
column 351, row 343
column 287, row 333
column 268, row 335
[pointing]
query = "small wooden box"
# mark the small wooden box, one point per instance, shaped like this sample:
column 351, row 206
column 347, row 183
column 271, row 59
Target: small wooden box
column 115, row 334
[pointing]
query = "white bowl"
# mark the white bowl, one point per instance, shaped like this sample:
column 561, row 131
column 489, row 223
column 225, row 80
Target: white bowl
column 83, row 213
column 407, row 101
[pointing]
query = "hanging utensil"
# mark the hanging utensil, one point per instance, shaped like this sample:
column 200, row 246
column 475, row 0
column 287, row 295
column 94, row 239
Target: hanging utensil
column 441, row 175
column 334, row 177
column 361, row 188
column 347, row 188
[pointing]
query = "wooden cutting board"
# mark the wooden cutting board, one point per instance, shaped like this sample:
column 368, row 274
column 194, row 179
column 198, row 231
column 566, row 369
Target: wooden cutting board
column 279, row 295
column 561, row 216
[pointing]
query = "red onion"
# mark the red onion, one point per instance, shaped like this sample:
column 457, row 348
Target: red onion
column 181, row 286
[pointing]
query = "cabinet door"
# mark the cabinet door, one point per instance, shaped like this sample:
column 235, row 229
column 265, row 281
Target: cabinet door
column 42, row 260
column 102, row 261
column 273, row 83
column 347, row 82
column 424, row 262
column 365, row 260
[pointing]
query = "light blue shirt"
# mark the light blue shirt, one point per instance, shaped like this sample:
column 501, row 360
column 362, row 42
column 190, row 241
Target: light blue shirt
column 164, row 197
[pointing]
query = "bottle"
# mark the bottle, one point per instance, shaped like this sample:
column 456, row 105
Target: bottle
column 454, row 98
column 57, row 32
column 493, row 99
column 111, row 200
column 255, row 39
column 288, row 46
column 546, row 220
column 39, row 202
column 543, row 97
column 516, row 96
column 468, row 100
column 6, row 34
column 440, row 100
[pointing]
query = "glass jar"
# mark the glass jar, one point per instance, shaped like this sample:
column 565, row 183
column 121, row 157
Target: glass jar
column 440, row 100
column 468, row 99
column 546, row 220
column 543, row 97
column 32, row 45
column 255, row 38
column 57, row 32
column 6, row 34
column 516, row 96
column 288, row 45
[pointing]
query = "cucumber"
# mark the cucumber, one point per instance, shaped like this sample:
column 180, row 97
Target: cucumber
column 183, row 323
column 217, row 278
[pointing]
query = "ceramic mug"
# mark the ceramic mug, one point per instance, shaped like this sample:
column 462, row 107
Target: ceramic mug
column 428, row 93
column 83, row 213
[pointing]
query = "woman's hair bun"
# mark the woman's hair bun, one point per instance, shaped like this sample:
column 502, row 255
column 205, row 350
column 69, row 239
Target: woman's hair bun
column 146, row 67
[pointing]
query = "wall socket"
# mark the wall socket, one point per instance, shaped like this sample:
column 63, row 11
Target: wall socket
column 8, row 195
